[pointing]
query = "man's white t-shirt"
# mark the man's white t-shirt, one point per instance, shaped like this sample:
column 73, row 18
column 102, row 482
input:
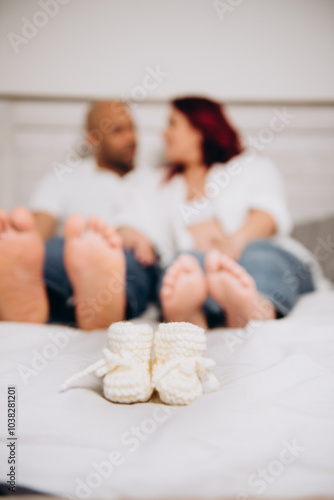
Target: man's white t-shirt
column 88, row 190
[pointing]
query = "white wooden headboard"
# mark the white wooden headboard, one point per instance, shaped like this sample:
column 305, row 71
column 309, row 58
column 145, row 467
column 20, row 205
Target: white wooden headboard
column 298, row 138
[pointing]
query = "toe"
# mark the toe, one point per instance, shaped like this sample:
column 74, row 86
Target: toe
column 101, row 226
column 232, row 266
column 170, row 275
column 218, row 261
column 174, row 269
column 168, row 279
column 111, row 235
column 4, row 220
column 74, row 226
column 92, row 223
column 166, row 292
column 114, row 239
column 107, row 231
column 238, row 271
column 247, row 279
column 212, row 261
column 188, row 262
column 22, row 220
column 234, row 269
column 229, row 264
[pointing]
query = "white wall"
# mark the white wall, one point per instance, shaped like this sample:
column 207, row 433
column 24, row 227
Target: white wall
column 35, row 134
column 261, row 50
column 265, row 53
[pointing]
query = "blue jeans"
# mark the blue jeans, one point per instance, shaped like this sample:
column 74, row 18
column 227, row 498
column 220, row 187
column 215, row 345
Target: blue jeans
column 279, row 276
column 140, row 284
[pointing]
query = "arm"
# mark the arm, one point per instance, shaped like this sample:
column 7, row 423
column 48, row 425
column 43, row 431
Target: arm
column 45, row 224
column 210, row 235
column 139, row 244
column 47, row 204
column 258, row 224
column 264, row 198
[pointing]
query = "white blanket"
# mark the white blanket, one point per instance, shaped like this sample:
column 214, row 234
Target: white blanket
column 268, row 430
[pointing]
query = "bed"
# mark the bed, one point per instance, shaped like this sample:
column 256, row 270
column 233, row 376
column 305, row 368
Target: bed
column 267, row 432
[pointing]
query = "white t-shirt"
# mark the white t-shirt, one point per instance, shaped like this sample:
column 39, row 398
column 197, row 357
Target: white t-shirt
column 88, row 190
column 231, row 191
column 159, row 208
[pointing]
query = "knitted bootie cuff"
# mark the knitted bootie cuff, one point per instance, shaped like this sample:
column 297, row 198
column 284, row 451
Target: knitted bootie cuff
column 126, row 364
column 179, row 362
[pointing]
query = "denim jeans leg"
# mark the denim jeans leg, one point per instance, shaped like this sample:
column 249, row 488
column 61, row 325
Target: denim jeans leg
column 277, row 274
column 140, row 285
column 58, row 286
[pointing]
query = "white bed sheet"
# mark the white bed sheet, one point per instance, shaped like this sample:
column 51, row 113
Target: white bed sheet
column 276, row 393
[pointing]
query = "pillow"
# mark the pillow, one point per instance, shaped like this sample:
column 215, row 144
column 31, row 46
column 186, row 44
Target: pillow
column 318, row 236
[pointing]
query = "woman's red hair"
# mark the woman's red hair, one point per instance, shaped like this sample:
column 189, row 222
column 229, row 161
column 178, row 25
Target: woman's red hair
column 221, row 142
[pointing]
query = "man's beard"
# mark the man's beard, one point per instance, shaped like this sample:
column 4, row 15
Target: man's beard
column 123, row 168
column 118, row 165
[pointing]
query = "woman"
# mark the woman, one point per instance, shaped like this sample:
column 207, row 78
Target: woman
column 228, row 221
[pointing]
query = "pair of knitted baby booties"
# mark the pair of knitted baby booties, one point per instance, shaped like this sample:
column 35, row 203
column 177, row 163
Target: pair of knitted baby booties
column 129, row 374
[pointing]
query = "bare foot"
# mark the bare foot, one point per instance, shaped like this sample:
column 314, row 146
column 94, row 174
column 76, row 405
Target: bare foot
column 184, row 291
column 22, row 291
column 95, row 263
column 235, row 291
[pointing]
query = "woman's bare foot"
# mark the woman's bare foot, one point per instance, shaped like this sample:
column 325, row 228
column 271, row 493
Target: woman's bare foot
column 184, row 291
column 235, row 291
column 22, row 292
column 95, row 263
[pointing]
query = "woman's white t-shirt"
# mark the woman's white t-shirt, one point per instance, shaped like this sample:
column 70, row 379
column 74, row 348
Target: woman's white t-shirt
column 231, row 191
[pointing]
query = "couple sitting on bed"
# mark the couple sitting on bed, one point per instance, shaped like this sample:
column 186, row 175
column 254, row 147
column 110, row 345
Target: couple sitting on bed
column 206, row 236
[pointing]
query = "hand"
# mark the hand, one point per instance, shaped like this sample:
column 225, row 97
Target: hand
column 138, row 243
column 207, row 235
column 210, row 235
column 233, row 246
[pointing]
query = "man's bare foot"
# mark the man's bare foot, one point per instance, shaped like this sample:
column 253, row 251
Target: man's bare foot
column 184, row 291
column 22, row 292
column 95, row 263
column 235, row 291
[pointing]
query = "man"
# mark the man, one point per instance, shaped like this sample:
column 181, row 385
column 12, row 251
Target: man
column 98, row 184
column 93, row 275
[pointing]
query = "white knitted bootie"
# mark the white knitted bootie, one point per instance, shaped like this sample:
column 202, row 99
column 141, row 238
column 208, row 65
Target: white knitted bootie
column 126, row 365
column 178, row 361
